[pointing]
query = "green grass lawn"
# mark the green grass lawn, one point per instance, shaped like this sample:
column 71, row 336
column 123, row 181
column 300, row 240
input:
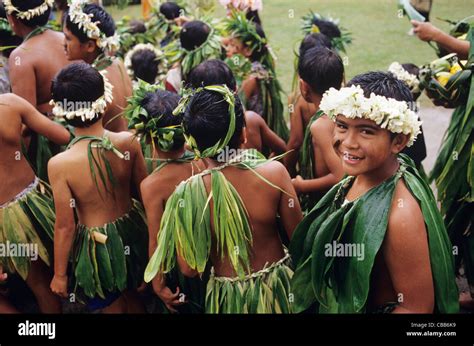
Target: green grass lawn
column 379, row 35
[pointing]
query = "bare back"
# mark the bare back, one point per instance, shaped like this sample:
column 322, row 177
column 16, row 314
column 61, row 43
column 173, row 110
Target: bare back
column 96, row 206
column 15, row 171
column 119, row 78
column 39, row 58
column 263, row 202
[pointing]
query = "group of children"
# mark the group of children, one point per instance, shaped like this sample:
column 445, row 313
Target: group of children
column 173, row 171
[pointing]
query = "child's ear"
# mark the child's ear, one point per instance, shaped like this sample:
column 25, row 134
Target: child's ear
column 305, row 90
column 399, row 143
column 90, row 46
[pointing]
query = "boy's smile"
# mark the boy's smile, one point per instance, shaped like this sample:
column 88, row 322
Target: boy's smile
column 362, row 145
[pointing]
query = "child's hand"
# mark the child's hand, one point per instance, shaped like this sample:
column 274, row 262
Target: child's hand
column 170, row 299
column 3, row 276
column 425, row 31
column 59, row 285
column 297, row 183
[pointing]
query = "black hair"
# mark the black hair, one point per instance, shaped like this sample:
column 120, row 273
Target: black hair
column 321, row 68
column 383, row 84
column 411, row 68
column 211, row 72
column 193, row 34
column 162, row 103
column 207, row 119
column 257, row 54
column 78, row 83
column 145, row 65
column 106, row 22
column 253, row 16
column 8, row 38
column 136, row 27
column 327, row 27
column 314, row 40
column 25, row 5
column 170, row 10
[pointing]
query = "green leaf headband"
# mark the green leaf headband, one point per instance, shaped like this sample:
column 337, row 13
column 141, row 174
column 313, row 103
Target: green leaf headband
column 239, row 26
column 308, row 27
column 139, row 119
column 5, row 26
column 229, row 97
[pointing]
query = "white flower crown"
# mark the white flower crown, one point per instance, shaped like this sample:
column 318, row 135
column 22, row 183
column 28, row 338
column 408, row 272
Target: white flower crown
column 33, row 12
column 145, row 46
column 90, row 28
column 95, row 109
column 388, row 113
column 400, row 73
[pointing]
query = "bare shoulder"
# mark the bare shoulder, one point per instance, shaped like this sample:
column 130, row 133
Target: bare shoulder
column 322, row 129
column 274, row 171
column 124, row 139
column 58, row 164
column 253, row 118
column 405, row 219
column 161, row 182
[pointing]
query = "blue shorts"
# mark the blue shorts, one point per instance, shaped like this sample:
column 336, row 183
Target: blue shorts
column 98, row 303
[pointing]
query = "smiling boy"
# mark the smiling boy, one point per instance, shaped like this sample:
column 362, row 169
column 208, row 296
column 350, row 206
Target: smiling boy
column 383, row 205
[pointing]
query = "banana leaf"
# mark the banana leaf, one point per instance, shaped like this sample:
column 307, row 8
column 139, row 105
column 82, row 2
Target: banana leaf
column 343, row 284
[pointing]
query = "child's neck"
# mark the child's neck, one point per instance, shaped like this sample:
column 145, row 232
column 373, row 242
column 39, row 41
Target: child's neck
column 369, row 180
column 96, row 130
column 90, row 57
column 168, row 155
column 315, row 99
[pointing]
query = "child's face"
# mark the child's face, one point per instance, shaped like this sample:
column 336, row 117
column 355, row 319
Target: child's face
column 75, row 50
column 235, row 46
column 362, row 145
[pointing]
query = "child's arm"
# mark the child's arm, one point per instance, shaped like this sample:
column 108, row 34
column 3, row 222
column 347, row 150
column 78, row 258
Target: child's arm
column 249, row 87
column 295, row 141
column 322, row 137
column 154, row 208
column 139, row 172
column 406, row 254
column 270, row 138
column 37, row 121
column 289, row 207
column 21, row 70
column 64, row 227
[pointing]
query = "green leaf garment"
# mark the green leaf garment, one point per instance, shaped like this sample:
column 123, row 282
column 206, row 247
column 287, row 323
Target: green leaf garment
column 27, row 220
column 307, row 165
column 270, row 103
column 453, row 174
column 332, row 284
column 116, row 262
column 185, row 230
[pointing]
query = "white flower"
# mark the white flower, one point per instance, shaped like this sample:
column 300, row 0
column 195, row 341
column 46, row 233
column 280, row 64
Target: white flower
column 400, row 73
column 145, row 46
column 31, row 13
column 388, row 113
column 95, row 110
column 84, row 21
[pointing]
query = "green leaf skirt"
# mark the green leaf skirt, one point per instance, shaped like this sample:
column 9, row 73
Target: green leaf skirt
column 115, row 265
column 27, row 221
column 265, row 291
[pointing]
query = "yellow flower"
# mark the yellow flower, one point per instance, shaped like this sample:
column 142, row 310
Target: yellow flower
column 455, row 68
column 443, row 77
